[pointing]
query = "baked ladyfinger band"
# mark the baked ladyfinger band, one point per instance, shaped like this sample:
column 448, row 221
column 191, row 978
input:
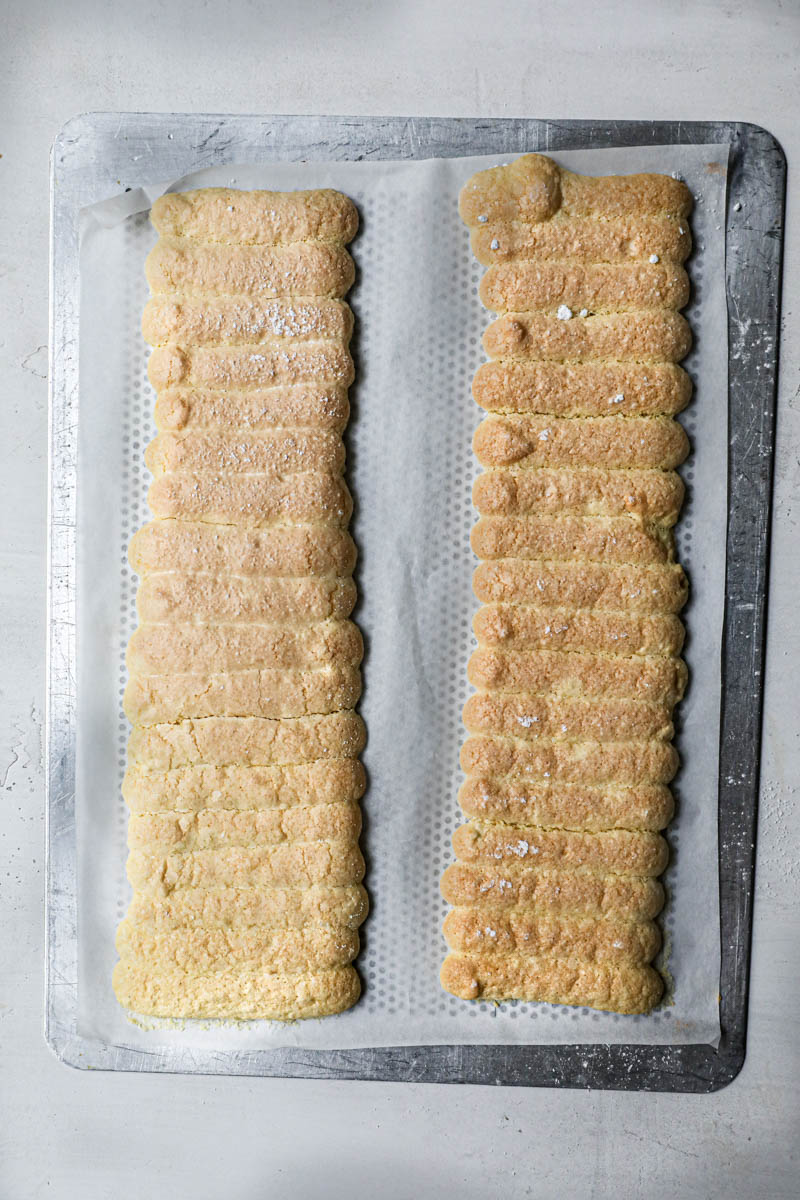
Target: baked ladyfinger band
column 243, row 777
column 569, row 757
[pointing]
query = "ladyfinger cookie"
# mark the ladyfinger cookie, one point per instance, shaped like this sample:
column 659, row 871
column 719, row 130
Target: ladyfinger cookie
column 534, row 889
column 235, row 321
column 242, row 366
column 300, row 864
column 153, row 699
column 236, row 787
column 625, row 763
column 583, row 539
column 625, row 443
column 291, row 550
column 172, row 647
column 257, row 217
column 645, row 588
column 322, row 269
column 649, row 336
column 305, row 405
column 594, row 287
column 653, row 495
column 275, row 453
column 235, row 994
column 550, row 804
column 246, row 741
column 244, row 908
column 619, row 988
column 251, row 500
column 259, row 827
column 516, row 627
column 584, row 389
column 614, row 851
column 205, row 950
column 576, row 673
column 572, row 718
column 524, row 931
column 176, row 596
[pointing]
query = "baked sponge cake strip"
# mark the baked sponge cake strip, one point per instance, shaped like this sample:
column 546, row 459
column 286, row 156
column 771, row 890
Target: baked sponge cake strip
column 577, row 670
column 243, row 778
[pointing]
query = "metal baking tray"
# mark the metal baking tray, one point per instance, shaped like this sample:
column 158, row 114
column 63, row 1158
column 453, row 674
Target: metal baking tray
column 96, row 155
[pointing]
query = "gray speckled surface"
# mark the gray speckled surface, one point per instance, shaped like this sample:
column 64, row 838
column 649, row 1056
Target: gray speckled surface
column 92, row 1135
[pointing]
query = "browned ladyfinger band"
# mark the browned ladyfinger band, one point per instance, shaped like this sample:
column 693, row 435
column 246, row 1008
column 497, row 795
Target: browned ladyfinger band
column 247, row 741
column 651, row 495
column 586, row 389
column 250, row 366
column 251, row 500
column 213, row 647
column 615, row 851
column 516, row 627
column 578, row 538
column 256, row 217
column 222, row 829
column 236, row 321
column 236, row 787
column 578, row 674
column 291, row 550
column 205, row 950
column 585, row 288
column 244, row 908
column 524, row 885
column 303, row 405
column 660, row 588
column 522, row 931
column 173, row 596
column 299, row 864
column 546, row 803
column 152, row 699
column 625, row 763
column 625, row 443
column 322, row 269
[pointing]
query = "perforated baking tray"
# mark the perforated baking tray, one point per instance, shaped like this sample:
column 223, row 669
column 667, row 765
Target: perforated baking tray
column 98, row 154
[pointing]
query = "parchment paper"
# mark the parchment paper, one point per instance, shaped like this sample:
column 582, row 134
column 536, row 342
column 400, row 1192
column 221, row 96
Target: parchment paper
column 410, row 467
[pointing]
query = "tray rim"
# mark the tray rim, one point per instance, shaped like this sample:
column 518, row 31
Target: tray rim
column 752, row 401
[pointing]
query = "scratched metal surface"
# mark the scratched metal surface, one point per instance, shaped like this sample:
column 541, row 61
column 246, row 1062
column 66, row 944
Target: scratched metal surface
column 97, row 154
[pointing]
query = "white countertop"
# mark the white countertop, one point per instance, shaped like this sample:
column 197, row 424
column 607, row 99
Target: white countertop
column 90, row 1135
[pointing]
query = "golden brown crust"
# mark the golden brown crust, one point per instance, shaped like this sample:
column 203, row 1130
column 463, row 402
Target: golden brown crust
column 251, row 500
column 280, row 453
column 236, row 994
column 205, row 950
column 323, row 406
column 531, row 717
column 533, row 188
column 290, row 550
column 221, row 829
column 163, row 649
column 571, row 538
column 243, row 367
column 518, row 884
column 528, row 285
column 661, row 588
column 578, row 674
column 519, row 627
column 246, row 741
column 236, row 321
column 621, row 763
column 174, row 596
column 520, row 931
column 619, row 988
column 267, row 908
column 230, row 215
column 584, row 240
column 322, row 269
column 152, row 699
column 567, row 805
column 237, row 787
column 588, row 389
column 299, row 864
column 622, row 442
column 614, row 851
column 594, row 492
column 658, row 335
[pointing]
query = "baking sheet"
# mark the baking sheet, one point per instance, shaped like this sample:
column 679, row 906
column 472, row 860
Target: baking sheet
column 409, row 458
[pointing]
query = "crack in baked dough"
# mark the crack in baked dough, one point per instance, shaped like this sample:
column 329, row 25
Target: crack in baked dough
column 243, row 778
column 569, row 757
